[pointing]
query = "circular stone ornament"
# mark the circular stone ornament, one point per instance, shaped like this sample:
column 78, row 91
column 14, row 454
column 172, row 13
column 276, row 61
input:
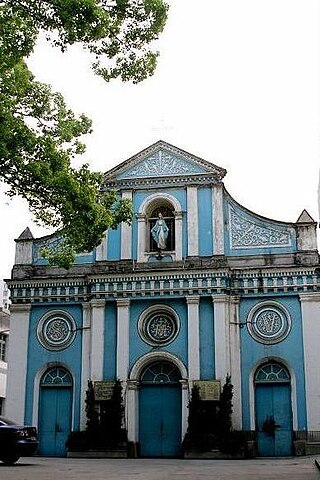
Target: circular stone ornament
column 56, row 330
column 158, row 325
column 269, row 322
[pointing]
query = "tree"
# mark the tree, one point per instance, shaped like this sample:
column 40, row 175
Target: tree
column 113, row 431
column 225, row 408
column 40, row 135
column 92, row 425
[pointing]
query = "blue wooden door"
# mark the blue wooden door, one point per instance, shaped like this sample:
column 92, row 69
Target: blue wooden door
column 54, row 420
column 273, row 419
column 160, row 421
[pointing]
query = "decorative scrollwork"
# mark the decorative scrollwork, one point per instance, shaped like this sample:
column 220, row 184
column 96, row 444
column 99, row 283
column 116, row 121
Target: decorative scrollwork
column 56, row 330
column 161, row 163
column 247, row 234
column 269, row 322
column 158, row 325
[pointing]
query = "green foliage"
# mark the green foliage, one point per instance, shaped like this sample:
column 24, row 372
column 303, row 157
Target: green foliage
column 225, row 408
column 210, row 423
column 92, row 414
column 201, row 434
column 105, row 422
column 112, row 418
column 40, row 135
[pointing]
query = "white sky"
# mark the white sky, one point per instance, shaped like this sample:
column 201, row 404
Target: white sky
column 238, row 84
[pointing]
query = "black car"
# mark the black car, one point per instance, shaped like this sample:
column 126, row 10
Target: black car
column 16, row 441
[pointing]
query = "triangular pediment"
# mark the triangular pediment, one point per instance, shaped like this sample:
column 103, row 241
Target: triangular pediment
column 163, row 160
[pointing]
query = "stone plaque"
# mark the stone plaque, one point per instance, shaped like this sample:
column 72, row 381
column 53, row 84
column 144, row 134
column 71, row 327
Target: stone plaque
column 103, row 390
column 209, row 389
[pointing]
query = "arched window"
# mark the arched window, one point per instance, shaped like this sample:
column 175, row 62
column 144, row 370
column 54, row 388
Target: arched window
column 55, row 377
column 271, row 372
column 161, row 372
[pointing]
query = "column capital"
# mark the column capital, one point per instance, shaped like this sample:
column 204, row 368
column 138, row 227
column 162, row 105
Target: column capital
column 141, row 217
column 20, row 307
column 220, row 298
column 184, row 384
column 97, row 303
column 86, row 306
column 235, row 299
column 193, row 299
column 126, row 193
column 133, row 384
column 309, row 297
column 123, row 302
column 178, row 214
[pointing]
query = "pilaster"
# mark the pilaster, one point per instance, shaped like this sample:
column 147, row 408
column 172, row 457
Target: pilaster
column 192, row 221
column 142, row 222
column 193, row 337
column 102, row 249
column 126, row 232
column 97, row 338
column 85, row 360
column 123, row 306
column 221, row 336
column 185, row 403
column 310, row 312
column 217, row 220
column 132, row 410
column 17, row 362
column 178, row 234
column 235, row 362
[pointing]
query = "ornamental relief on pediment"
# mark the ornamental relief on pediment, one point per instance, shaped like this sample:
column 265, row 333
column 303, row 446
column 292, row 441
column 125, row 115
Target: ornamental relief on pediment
column 161, row 163
column 245, row 233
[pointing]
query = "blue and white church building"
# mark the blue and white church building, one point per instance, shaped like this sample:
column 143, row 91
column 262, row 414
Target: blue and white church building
column 223, row 291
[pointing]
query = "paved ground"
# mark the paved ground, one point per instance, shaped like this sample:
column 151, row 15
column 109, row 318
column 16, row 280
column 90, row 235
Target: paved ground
column 40, row 468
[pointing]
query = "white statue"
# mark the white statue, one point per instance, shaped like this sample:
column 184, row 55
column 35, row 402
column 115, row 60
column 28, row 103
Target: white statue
column 160, row 233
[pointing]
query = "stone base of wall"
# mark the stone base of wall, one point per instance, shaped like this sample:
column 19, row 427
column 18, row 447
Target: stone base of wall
column 99, row 454
column 312, row 448
column 307, row 443
column 212, row 455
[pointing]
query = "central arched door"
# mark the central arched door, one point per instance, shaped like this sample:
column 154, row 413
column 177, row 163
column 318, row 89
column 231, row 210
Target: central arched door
column 160, row 411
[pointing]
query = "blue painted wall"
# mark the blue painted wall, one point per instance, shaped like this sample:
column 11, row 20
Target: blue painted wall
column 290, row 350
column 114, row 244
column 207, row 365
column 38, row 357
column 110, row 341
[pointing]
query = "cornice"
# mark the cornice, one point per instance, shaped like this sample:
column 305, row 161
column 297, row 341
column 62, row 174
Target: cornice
column 100, row 288
column 156, row 182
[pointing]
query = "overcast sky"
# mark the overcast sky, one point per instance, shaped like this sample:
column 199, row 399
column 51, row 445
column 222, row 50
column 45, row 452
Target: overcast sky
column 238, row 84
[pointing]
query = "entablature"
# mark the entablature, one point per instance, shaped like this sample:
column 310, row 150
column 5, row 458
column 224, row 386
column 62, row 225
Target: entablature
column 165, row 284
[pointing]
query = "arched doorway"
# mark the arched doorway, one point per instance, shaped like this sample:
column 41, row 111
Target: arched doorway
column 273, row 410
column 160, row 410
column 55, row 412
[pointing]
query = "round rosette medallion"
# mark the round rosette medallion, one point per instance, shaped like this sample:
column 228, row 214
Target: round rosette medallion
column 158, row 325
column 269, row 322
column 56, row 330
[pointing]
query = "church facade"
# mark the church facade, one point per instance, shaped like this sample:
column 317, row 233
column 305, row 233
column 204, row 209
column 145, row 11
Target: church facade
column 196, row 288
